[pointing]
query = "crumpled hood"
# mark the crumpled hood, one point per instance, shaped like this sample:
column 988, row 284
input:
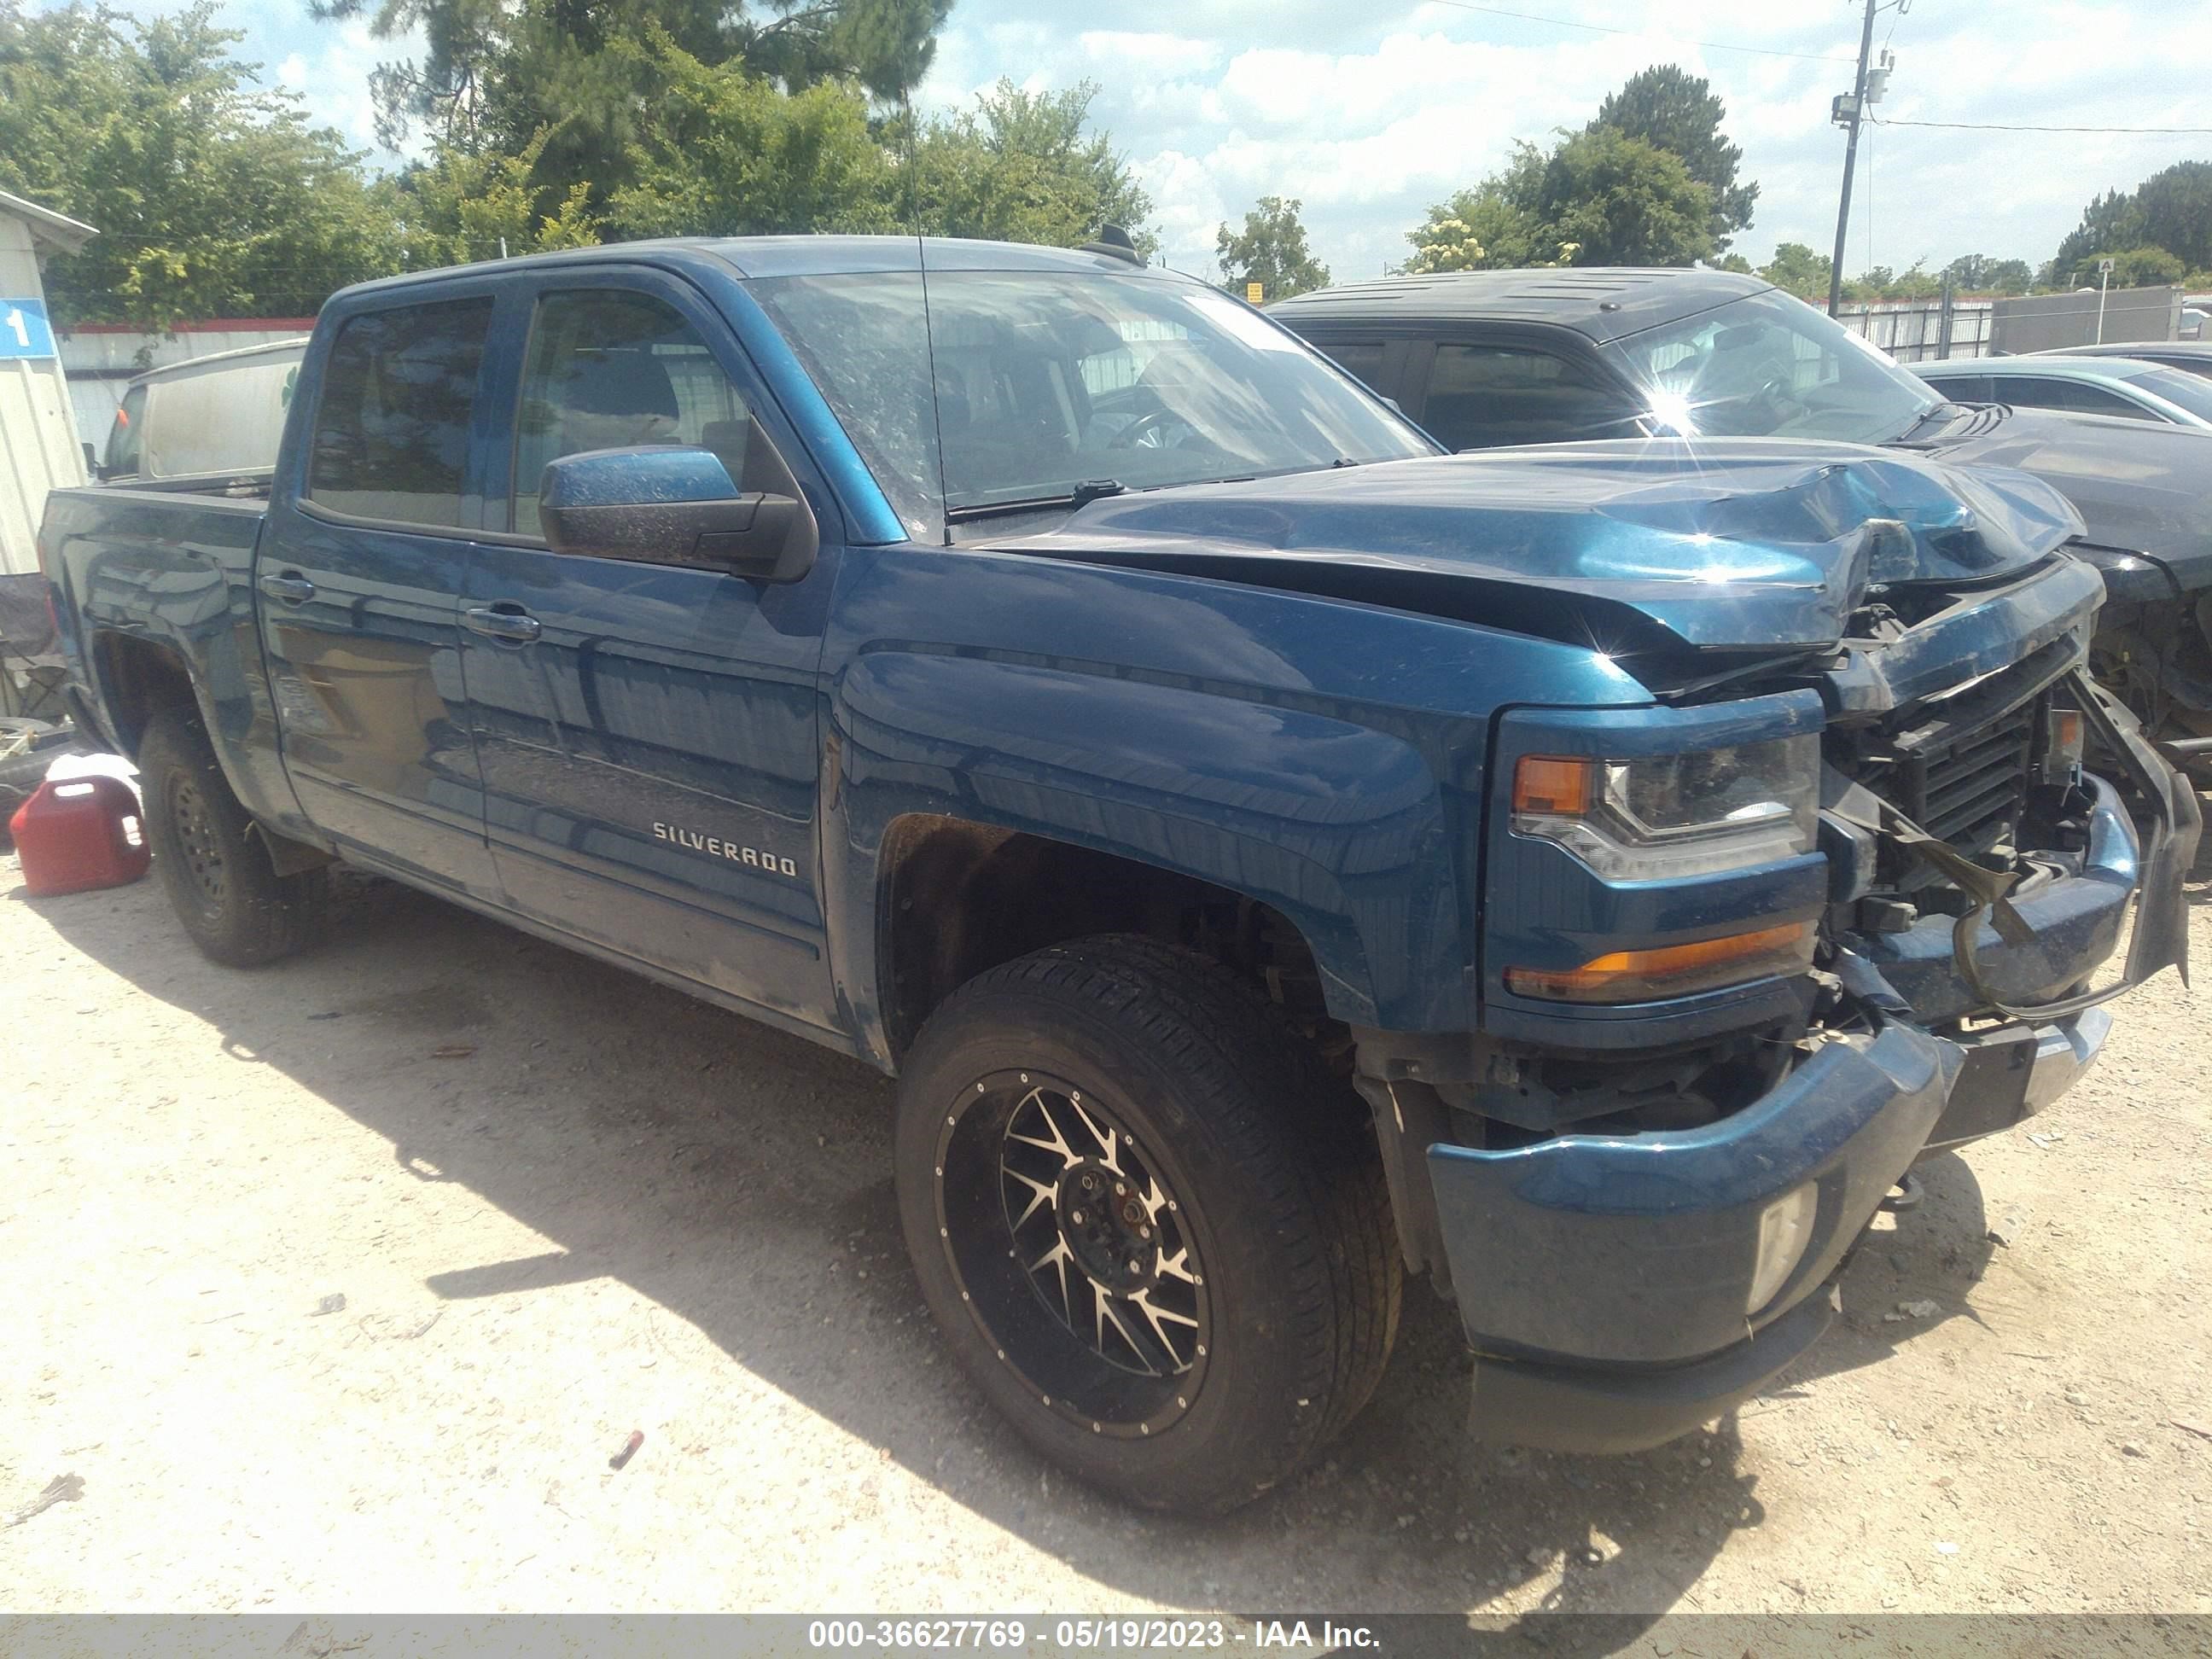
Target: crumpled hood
column 2140, row 487
column 1741, row 543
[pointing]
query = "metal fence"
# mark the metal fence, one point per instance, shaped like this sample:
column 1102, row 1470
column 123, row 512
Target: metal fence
column 2047, row 322
column 1914, row 331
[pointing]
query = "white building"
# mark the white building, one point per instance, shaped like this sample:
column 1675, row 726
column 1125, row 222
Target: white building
column 39, row 443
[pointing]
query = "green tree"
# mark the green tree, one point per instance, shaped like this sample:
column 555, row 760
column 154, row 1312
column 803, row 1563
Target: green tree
column 1492, row 227
column 2113, row 220
column 1978, row 273
column 1795, row 269
column 495, row 75
column 1672, row 109
column 1733, row 262
column 2133, row 267
column 458, row 207
column 213, row 196
column 1599, row 197
column 1447, row 240
column 1271, row 250
column 1022, row 167
column 2176, row 205
column 1622, row 201
column 1873, row 284
column 727, row 153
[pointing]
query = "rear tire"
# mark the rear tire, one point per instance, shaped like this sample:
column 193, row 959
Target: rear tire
column 1151, row 1228
column 211, row 858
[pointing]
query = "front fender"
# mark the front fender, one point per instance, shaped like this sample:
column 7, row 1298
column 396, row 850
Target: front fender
column 1324, row 758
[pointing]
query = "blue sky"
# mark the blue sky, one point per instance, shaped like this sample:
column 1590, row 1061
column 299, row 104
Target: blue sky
column 1369, row 113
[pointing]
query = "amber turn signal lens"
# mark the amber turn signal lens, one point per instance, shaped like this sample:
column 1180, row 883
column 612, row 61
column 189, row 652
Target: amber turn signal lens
column 1552, row 785
column 1671, row 969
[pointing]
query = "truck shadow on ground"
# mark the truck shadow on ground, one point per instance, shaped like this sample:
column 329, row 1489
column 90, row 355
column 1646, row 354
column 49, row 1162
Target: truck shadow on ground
column 740, row 1178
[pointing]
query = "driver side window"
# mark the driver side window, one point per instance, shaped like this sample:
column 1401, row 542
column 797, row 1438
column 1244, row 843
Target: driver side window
column 613, row 370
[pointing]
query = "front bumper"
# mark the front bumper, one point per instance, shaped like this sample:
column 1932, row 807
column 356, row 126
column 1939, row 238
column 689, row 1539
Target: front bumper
column 1605, row 1281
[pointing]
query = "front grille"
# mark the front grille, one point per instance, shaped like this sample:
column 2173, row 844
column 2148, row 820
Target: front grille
column 1967, row 789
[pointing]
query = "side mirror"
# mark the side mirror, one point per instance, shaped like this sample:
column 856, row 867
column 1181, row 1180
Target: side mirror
column 667, row 505
column 92, row 467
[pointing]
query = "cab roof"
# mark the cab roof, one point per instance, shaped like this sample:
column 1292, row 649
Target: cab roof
column 1602, row 303
column 805, row 255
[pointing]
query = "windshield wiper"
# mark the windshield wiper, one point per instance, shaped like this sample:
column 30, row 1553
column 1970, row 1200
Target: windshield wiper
column 1081, row 495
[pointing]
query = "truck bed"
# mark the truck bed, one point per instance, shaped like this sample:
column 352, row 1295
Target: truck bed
column 147, row 576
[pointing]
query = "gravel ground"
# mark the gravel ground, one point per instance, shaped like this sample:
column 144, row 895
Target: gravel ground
column 562, row 1204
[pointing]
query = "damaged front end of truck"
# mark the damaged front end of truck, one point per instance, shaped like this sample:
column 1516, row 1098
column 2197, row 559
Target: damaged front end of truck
column 1750, row 953
column 1841, row 893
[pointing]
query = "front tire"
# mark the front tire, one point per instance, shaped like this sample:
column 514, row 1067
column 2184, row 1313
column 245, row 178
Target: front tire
column 212, row 861
column 1151, row 1228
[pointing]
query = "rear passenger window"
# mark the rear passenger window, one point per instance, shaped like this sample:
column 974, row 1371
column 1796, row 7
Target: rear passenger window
column 1483, row 395
column 1360, row 359
column 2034, row 392
column 613, row 370
column 1967, row 389
column 392, row 432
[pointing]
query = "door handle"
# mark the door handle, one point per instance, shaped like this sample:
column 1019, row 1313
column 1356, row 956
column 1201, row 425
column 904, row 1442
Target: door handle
column 515, row 626
column 291, row 588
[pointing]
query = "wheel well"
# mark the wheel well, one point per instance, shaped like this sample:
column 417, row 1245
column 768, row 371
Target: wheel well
column 964, row 897
column 138, row 679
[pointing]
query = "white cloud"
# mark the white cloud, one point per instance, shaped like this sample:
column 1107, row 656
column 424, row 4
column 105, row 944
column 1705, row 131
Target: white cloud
column 1370, row 114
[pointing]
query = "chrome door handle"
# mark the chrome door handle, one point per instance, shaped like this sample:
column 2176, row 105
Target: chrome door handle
column 515, row 627
column 291, row 588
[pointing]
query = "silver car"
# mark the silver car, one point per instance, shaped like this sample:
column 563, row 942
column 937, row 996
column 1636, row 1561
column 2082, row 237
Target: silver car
column 2076, row 384
column 2191, row 357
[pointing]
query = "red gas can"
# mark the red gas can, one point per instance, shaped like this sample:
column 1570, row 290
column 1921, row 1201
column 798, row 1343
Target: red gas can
column 80, row 833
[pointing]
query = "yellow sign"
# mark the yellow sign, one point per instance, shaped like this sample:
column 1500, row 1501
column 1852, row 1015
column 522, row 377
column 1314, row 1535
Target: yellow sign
column 1253, row 293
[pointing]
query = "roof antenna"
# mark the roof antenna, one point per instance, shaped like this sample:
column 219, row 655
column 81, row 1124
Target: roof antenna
column 1114, row 242
column 936, row 411
column 913, row 169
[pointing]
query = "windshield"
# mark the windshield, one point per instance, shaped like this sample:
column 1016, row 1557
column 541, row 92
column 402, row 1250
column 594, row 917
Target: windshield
column 1770, row 367
column 2192, row 392
column 1023, row 386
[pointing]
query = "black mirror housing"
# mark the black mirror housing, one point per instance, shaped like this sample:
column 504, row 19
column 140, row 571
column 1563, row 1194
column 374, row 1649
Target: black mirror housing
column 667, row 504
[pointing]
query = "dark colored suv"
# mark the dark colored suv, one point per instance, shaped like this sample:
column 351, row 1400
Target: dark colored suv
column 1497, row 357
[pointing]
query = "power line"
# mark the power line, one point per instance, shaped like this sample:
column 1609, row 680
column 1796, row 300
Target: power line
column 2008, row 126
column 1600, row 28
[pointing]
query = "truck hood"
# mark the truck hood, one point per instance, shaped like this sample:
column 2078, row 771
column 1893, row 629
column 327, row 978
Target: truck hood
column 1743, row 545
column 2140, row 487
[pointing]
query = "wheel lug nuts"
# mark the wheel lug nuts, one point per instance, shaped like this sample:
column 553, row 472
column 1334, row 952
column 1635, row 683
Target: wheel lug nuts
column 1077, row 1218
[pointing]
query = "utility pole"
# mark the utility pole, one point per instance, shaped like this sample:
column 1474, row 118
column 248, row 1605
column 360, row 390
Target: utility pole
column 2104, row 286
column 1857, row 110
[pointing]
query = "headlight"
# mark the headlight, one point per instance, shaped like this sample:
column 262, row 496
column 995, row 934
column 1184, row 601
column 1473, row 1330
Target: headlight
column 1691, row 814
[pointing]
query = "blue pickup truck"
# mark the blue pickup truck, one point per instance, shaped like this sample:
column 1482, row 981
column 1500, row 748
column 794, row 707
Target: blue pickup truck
column 1274, row 856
